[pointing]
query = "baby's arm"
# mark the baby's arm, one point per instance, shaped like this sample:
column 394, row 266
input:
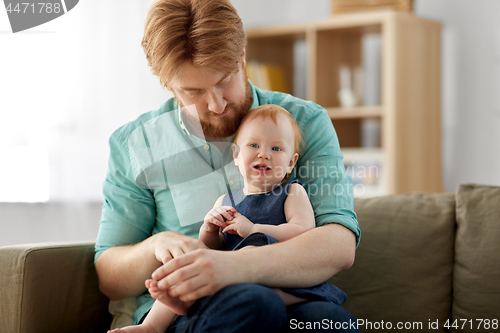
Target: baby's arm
column 298, row 212
column 216, row 218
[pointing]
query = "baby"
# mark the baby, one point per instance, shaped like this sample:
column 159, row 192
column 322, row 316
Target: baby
column 268, row 209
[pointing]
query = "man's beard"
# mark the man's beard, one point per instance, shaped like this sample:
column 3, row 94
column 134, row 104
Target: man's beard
column 214, row 127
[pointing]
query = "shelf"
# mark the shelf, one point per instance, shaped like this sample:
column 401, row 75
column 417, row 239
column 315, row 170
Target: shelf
column 359, row 112
column 407, row 87
column 285, row 31
column 362, row 153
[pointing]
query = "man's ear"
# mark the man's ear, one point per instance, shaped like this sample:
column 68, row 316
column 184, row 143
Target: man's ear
column 293, row 160
column 243, row 58
column 236, row 151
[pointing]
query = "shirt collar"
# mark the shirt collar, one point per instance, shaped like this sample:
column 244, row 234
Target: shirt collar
column 255, row 98
column 181, row 121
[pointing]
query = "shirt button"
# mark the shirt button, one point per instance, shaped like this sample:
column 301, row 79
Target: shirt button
column 206, row 147
column 231, row 182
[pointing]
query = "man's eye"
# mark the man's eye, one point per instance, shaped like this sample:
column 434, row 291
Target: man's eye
column 192, row 92
column 254, row 145
column 276, row 148
column 226, row 80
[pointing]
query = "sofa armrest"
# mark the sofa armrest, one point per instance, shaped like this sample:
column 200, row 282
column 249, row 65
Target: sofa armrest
column 51, row 288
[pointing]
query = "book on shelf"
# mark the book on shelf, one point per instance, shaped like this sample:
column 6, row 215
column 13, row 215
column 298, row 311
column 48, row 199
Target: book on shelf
column 371, row 59
column 267, row 76
column 300, row 69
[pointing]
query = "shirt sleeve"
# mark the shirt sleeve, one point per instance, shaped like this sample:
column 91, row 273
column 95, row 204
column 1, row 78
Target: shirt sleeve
column 323, row 175
column 128, row 213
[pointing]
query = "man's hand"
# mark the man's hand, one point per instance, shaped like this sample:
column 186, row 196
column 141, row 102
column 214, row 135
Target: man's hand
column 169, row 245
column 199, row 273
column 122, row 270
column 240, row 225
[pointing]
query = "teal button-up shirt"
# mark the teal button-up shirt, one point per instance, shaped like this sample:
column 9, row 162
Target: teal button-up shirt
column 163, row 178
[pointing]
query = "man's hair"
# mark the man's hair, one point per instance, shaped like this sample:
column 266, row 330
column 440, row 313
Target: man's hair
column 272, row 111
column 207, row 33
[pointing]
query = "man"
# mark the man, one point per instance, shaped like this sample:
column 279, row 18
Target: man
column 168, row 167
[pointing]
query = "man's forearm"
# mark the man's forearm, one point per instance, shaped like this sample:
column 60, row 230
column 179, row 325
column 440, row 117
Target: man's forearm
column 122, row 270
column 304, row 261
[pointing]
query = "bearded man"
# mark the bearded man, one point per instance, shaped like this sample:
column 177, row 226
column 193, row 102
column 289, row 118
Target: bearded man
column 168, row 167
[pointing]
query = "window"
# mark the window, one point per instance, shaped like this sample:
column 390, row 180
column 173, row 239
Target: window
column 24, row 174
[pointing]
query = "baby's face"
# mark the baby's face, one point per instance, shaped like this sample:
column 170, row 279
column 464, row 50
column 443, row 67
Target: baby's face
column 265, row 153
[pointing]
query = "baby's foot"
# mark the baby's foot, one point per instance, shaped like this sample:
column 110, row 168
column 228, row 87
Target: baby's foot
column 174, row 303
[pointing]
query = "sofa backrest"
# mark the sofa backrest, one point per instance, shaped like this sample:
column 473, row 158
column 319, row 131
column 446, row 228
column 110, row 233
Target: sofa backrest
column 403, row 270
column 476, row 274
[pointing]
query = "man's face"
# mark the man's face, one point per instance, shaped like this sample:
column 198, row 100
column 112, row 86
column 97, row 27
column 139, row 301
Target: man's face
column 220, row 100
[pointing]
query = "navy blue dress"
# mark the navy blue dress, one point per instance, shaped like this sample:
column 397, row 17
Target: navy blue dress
column 269, row 208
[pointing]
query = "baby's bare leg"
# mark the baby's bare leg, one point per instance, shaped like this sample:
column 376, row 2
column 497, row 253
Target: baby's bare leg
column 157, row 321
column 288, row 299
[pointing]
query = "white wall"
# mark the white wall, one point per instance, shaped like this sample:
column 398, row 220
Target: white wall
column 68, row 84
column 261, row 13
column 470, row 88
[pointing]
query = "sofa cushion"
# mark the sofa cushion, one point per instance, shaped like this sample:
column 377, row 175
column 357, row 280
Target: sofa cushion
column 403, row 267
column 476, row 273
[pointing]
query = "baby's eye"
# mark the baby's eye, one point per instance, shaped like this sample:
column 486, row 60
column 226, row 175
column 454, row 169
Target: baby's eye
column 254, row 145
column 276, row 148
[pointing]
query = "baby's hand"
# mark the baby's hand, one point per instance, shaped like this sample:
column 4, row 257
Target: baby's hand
column 218, row 217
column 240, row 225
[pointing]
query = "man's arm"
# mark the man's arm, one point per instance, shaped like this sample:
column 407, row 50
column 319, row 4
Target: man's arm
column 123, row 270
column 304, row 261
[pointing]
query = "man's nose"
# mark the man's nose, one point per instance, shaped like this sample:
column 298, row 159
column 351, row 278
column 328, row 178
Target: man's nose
column 216, row 101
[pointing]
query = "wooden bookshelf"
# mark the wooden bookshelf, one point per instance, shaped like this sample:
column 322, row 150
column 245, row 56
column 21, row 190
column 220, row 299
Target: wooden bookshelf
column 410, row 87
column 355, row 112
